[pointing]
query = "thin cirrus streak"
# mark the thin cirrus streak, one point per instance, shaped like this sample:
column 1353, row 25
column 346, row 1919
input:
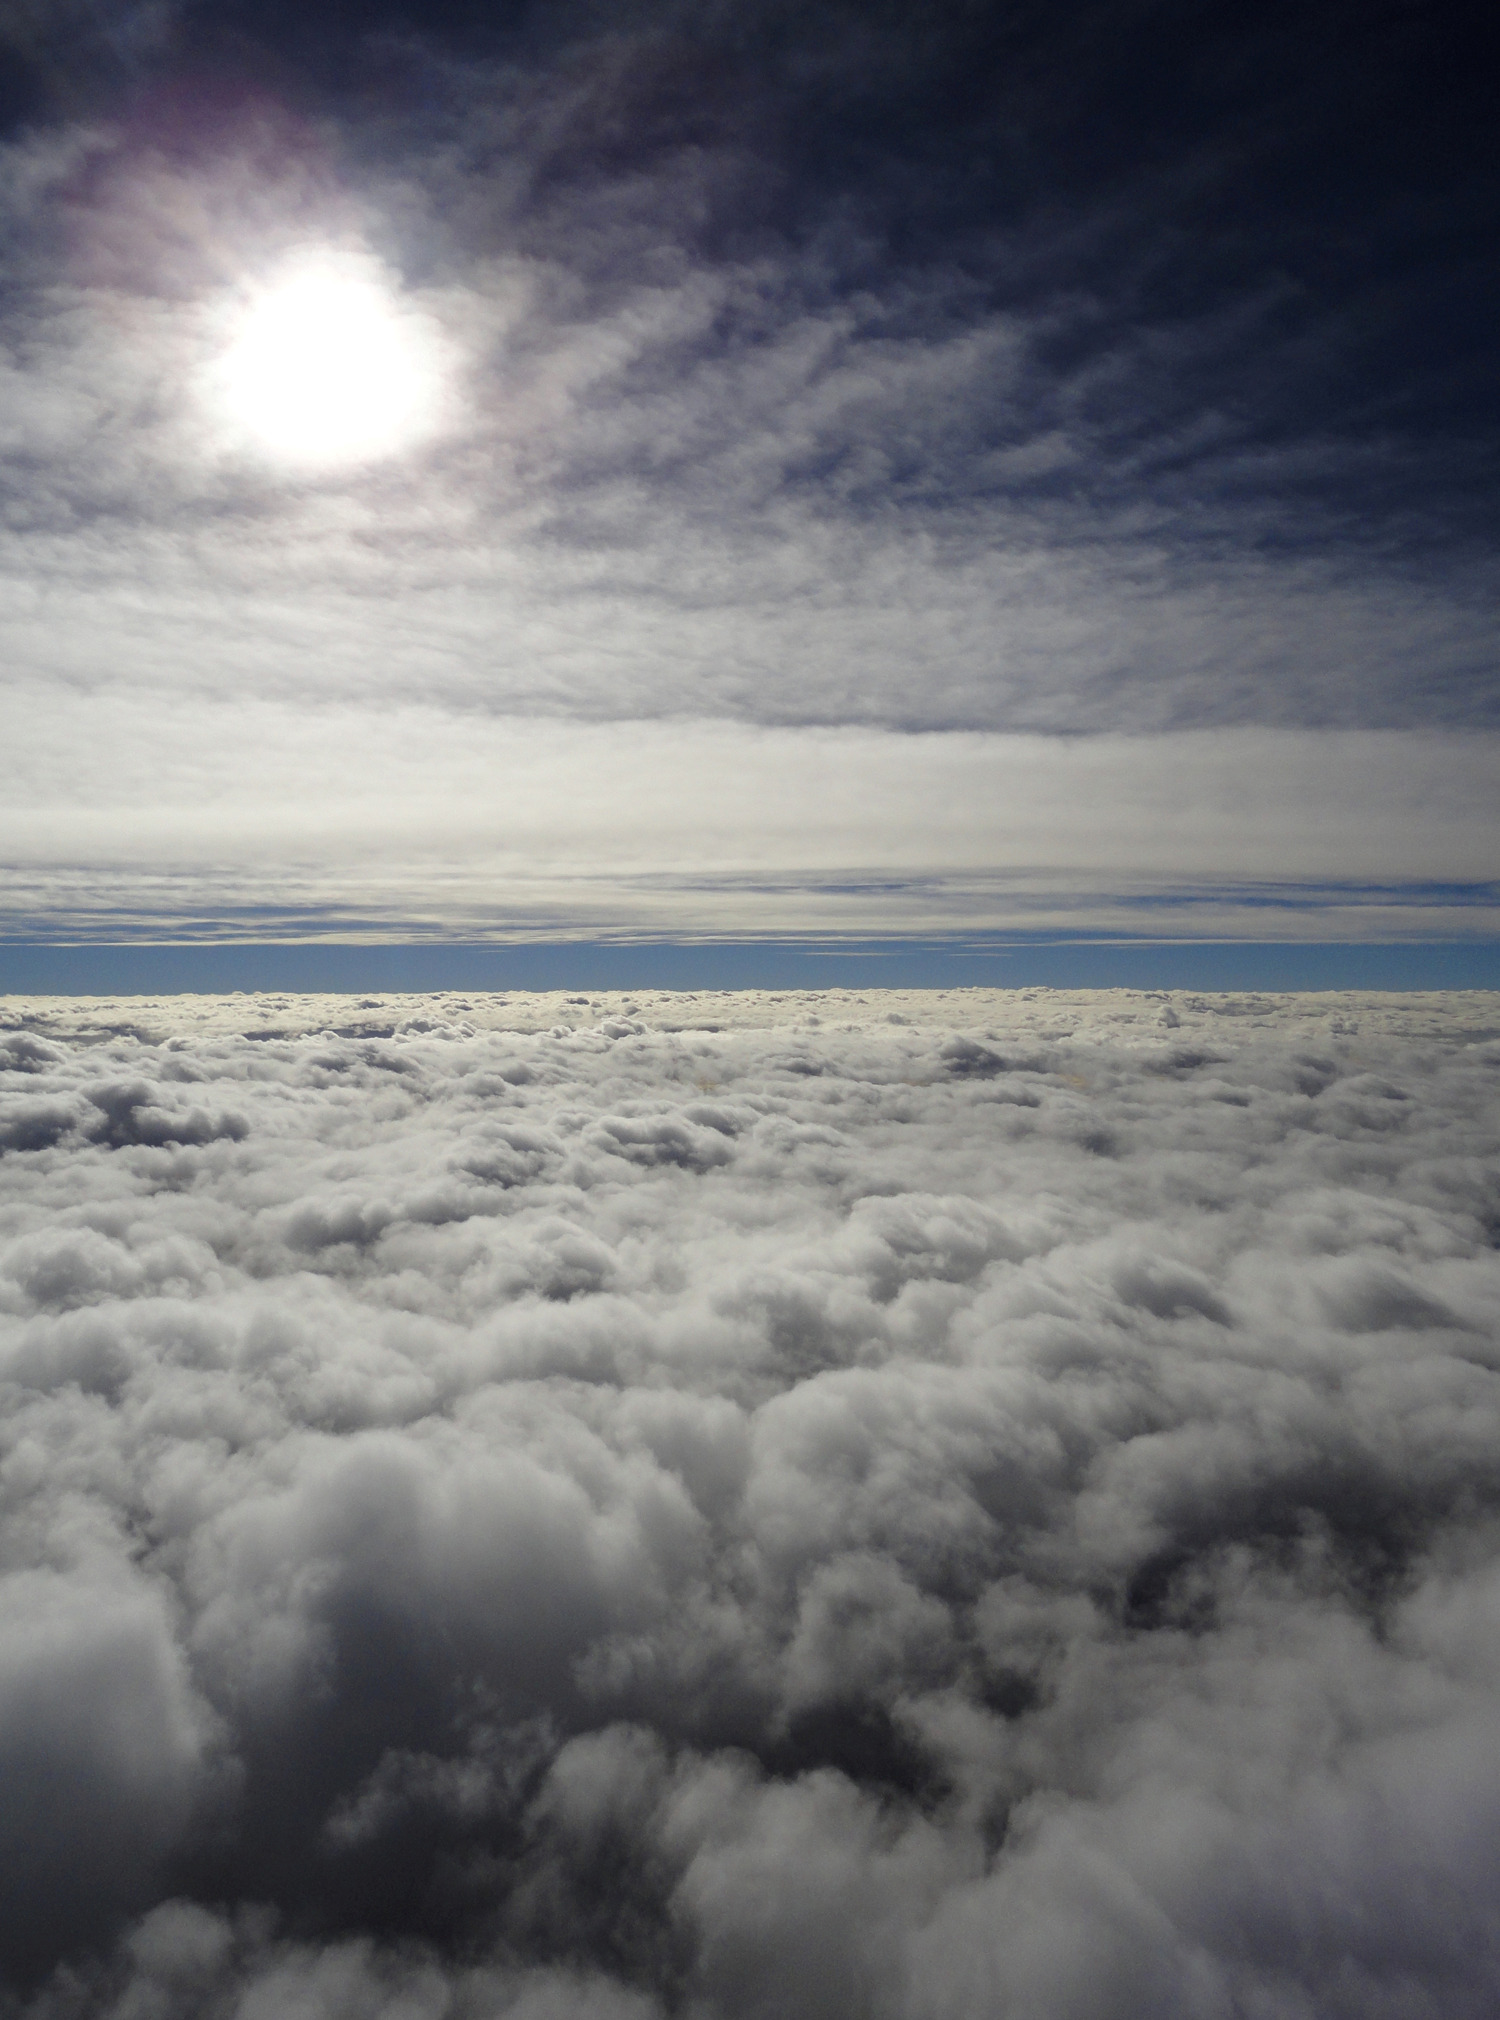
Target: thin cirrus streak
column 846, row 1506
column 220, row 905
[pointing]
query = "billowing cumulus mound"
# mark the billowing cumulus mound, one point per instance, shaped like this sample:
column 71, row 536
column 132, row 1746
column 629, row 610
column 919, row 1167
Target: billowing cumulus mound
column 973, row 1514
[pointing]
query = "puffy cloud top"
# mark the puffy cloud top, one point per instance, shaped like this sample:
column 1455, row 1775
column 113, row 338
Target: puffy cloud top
column 830, row 1509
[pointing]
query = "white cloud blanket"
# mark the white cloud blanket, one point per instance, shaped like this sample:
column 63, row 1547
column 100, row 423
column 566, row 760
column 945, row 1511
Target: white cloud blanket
column 895, row 1508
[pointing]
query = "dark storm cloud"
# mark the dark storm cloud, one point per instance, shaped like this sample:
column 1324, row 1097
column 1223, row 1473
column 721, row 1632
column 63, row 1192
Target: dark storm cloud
column 831, row 1516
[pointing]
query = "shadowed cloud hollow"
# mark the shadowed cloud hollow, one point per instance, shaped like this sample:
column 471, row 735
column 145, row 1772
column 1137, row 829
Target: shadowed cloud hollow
column 885, row 1508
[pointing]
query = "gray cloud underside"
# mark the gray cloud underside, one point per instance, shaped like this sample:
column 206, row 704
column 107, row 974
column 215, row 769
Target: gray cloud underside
column 827, row 394
column 981, row 1515
column 664, row 591
column 704, row 459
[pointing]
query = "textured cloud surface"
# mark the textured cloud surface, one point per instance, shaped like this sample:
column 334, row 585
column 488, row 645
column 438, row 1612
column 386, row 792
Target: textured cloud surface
column 893, row 1508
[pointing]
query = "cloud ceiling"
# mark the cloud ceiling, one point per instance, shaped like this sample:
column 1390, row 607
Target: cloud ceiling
column 818, row 1511
column 1031, row 372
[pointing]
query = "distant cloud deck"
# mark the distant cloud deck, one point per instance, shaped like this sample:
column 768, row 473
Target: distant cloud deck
column 1128, row 1017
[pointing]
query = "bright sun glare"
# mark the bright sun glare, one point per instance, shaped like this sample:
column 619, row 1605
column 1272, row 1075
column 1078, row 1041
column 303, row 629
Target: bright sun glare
column 325, row 367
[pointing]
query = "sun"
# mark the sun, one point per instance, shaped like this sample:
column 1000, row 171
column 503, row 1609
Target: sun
column 325, row 366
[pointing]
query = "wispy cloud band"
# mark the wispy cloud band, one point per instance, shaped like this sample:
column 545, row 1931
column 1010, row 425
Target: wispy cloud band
column 256, row 820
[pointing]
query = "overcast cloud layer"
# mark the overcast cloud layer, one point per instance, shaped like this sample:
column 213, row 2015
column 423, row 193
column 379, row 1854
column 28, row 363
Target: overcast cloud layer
column 898, row 1509
column 417, row 824
column 991, row 370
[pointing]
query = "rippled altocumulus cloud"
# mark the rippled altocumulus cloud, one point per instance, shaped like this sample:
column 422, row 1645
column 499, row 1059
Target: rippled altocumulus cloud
column 877, row 1520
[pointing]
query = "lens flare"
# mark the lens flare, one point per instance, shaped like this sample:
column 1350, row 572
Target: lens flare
column 326, row 367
